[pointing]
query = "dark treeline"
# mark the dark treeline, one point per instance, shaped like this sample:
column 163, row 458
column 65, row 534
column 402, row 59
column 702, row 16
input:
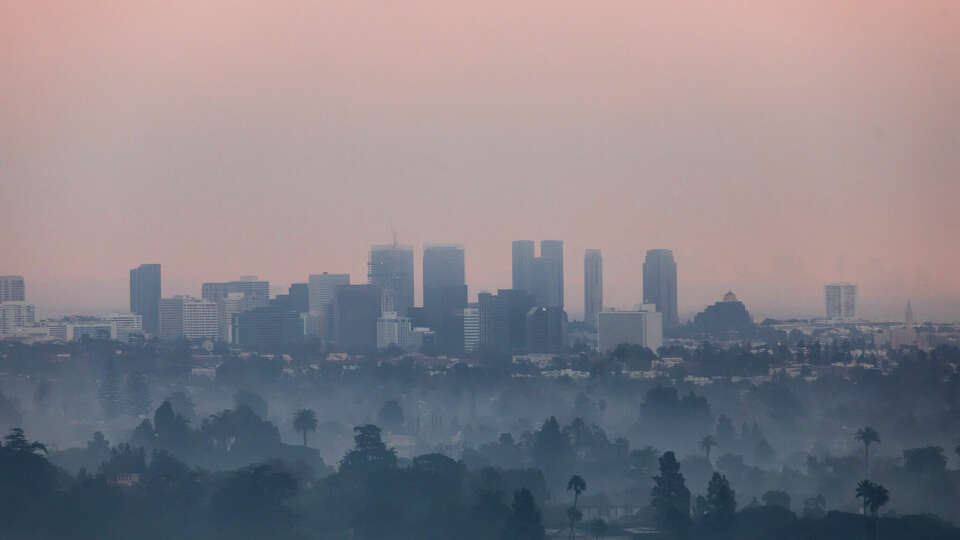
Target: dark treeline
column 165, row 440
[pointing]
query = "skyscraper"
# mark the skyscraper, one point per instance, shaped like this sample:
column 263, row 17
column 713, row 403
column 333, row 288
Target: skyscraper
column 660, row 284
column 323, row 293
column 357, row 310
column 592, row 286
column 391, row 269
column 12, row 289
column 444, row 294
column 549, row 273
column 145, row 296
column 841, row 300
column 523, row 255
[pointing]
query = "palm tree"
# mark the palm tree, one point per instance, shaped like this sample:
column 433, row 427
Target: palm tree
column 867, row 435
column 707, row 443
column 578, row 485
column 874, row 496
column 305, row 420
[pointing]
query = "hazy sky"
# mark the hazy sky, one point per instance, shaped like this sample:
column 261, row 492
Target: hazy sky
column 774, row 146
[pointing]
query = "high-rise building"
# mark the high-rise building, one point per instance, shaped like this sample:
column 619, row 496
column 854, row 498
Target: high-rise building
column 523, row 256
column 471, row 328
column 357, row 310
column 841, row 300
column 393, row 330
column 644, row 328
column 546, row 329
column 145, row 296
column 15, row 315
column 255, row 293
column 503, row 320
column 297, row 299
column 266, row 328
column 191, row 318
column 592, row 286
column 444, row 294
column 660, row 284
column 12, row 289
column 391, row 269
column 548, row 274
column 540, row 276
column 227, row 307
column 323, row 293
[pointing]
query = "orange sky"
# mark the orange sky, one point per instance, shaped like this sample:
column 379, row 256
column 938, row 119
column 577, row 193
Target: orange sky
column 774, row 147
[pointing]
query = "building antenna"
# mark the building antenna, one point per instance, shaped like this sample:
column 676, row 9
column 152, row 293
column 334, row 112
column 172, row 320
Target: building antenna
column 394, row 231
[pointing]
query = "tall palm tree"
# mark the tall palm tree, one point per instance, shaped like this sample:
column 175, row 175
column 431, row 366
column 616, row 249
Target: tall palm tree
column 578, row 485
column 707, row 443
column 305, row 420
column 874, row 496
column 867, row 435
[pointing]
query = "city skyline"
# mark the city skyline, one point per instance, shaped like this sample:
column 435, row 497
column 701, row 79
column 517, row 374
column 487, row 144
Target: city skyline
column 754, row 140
column 686, row 310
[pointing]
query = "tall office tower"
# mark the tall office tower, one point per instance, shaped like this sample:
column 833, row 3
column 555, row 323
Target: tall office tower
column 552, row 251
column 12, row 289
column 323, row 293
column 357, row 309
column 192, row 318
column 523, row 256
column 255, row 293
column 297, row 299
column 266, row 328
column 444, row 294
column 145, row 295
column 227, row 307
column 841, row 300
column 494, row 322
column 660, row 284
column 391, row 269
column 471, row 328
column 546, row 329
column 592, row 286
column 644, row 328
column 15, row 315
column 518, row 304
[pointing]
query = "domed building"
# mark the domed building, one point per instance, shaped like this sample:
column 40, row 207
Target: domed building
column 725, row 317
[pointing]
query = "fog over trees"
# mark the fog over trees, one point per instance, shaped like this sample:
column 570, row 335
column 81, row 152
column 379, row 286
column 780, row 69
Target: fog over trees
column 128, row 440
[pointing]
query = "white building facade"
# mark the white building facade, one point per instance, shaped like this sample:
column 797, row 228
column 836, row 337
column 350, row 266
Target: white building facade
column 644, row 328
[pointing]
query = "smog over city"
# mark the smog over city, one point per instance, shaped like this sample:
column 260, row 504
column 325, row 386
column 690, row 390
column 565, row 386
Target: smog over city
column 502, row 270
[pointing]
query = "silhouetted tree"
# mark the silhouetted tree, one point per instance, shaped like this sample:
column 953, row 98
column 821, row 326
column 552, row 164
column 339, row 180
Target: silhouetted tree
column 719, row 510
column 671, row 498
column 867, row 436
column 390, row 415
column 578, row 485
column 706, row 444
column 369, row 453
column 776, row 497
column 874, row 496
column 524, row 522
column 252, row 400
column 305, row 420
